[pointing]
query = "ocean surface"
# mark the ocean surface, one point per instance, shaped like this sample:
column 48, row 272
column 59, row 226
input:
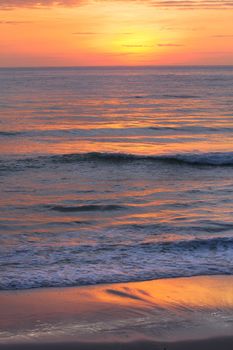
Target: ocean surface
column 115, row 174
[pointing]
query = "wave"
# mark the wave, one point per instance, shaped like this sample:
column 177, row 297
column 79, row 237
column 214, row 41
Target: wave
column 208, row 243
column 191, row 159
column 171, row 246
column 10, row 133
column 120, row 132
column 86, row 264
column 181, row 96
column 216, row 158
column 91, row 207
column 165, row 96
column 192, row 129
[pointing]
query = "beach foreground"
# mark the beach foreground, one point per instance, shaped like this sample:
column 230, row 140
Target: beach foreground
column 180, row 313
column 207, row 344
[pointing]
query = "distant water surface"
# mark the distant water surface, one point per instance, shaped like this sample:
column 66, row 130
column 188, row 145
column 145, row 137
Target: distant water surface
column 115, row 174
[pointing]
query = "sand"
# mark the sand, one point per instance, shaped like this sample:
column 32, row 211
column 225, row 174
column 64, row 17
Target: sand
column 181, row 313
column 224, row 343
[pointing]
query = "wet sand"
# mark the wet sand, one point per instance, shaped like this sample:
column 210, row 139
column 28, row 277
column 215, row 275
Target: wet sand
column 207, row 344
column 180, row 313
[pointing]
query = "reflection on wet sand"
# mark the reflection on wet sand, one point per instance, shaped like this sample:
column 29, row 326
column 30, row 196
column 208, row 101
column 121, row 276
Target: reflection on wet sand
column 171, row 309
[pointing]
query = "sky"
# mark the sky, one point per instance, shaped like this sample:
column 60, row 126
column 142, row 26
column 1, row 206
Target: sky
column 120, row 32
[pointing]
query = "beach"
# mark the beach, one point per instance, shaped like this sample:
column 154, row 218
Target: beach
column 175, row 313
column 208, row 344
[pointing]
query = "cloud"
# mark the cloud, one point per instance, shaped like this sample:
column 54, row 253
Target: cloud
column 223, row 36
column 10, row 4
column 213, row 52
column 178, row 4
column 87, row 33
column 180, row 28
column 136, row 45
column 101, row 33
column 193, row 4
column 14, row 22
column 170, row 45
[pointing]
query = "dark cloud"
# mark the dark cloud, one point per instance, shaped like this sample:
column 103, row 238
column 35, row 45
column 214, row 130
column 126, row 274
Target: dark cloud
column 10, row 4
column 180, row 4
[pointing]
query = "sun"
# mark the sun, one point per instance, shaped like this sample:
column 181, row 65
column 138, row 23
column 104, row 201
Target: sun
column 134, row 43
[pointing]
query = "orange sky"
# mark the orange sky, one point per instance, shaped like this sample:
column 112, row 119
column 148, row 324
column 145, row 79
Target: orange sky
column 103, row 32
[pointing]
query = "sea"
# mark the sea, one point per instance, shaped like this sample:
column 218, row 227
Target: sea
column 115, row 174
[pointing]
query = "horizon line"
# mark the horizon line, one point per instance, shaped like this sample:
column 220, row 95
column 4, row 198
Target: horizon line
column 118, row 66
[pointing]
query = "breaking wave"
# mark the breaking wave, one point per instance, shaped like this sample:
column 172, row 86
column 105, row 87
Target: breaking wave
column 61, row 266
column 219, row 159
column 216, row 158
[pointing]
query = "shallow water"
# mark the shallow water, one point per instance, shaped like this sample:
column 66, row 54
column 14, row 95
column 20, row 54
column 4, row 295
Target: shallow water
column 115, row 174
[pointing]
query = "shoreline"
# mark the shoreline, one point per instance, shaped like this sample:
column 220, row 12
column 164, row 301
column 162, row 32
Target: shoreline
column 207, row 344
column 180, row 312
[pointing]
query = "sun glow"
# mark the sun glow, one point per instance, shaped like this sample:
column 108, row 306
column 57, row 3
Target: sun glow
column 114, row 33
column 141, row 42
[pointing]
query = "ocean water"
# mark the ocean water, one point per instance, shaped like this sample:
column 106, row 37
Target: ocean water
column 115, row 174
